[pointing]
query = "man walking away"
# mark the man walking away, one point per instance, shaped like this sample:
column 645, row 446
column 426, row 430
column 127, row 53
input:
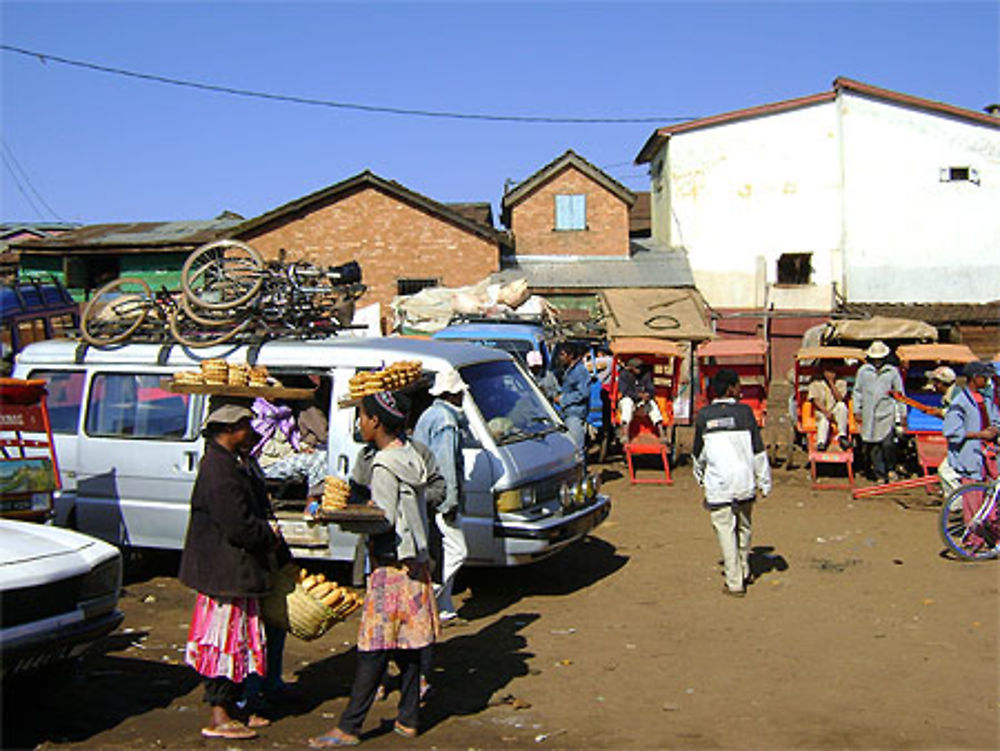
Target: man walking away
column 440, row 428
column 730, row 464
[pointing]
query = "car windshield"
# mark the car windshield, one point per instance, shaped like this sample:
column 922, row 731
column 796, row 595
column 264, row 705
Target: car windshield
column 513, row 410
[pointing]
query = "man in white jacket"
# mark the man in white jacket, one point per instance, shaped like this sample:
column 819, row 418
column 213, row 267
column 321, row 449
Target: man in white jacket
column 730, row 464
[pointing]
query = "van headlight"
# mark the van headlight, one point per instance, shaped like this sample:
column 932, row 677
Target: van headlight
column 515, row 499
column 593, row 487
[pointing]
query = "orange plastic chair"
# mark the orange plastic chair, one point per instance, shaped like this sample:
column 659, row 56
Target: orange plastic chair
column 644, row 440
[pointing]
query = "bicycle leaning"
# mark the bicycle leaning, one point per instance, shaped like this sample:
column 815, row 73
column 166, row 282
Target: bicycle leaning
column 970, row 519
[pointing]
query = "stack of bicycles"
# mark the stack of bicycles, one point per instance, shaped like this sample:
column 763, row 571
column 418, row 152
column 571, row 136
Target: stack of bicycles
column 228, row 294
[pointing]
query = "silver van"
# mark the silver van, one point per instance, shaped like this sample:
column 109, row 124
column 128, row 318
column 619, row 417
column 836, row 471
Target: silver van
column 129, row 448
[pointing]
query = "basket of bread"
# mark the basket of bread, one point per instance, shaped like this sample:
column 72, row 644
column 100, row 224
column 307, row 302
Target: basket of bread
column 395, row 377
column 306, row 605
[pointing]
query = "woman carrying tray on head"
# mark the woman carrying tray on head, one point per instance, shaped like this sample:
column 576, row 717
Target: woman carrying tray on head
column 229, row 550
column 399, row 617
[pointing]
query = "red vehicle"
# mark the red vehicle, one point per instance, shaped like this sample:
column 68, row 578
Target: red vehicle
column 923, row 403
column 809, row 363
column 663, row 357
column 748, row 358
column 29, row 472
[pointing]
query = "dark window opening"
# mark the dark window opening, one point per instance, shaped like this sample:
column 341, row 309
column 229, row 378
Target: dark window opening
column 412, row 286
column 795, row 268
column 960, row 174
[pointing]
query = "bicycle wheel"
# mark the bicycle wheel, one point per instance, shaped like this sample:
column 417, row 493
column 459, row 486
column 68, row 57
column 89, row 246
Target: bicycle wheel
column 190, row 333
column 973, row 541
column 210, row 318
column 222, row 275
column 116, row 311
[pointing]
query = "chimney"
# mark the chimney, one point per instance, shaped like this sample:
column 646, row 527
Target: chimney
column 992, row 109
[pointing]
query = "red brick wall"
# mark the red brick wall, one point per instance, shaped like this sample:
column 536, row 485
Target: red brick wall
column 533, row 220
column 389, row 238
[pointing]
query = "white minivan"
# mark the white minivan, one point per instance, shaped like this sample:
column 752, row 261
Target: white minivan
column 129, row 448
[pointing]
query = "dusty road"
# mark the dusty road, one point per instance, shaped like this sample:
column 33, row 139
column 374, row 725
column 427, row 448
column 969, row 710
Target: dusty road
column 858, row 634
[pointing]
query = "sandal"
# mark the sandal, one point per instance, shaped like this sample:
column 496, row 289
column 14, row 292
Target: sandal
column 404, row 731
column 331, row 741
column 256, row 721
column 234, row 730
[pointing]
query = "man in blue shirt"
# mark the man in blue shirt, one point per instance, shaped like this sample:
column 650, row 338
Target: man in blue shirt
column 440, row 428
column 574, row 394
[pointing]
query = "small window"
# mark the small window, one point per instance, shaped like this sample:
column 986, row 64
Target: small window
column 63, row 398
column 128, row 405
column 571, row 212
column 413, row 286
column 795, row 268
column 960, row 174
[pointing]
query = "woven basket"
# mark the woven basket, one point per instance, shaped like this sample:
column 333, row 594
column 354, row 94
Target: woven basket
column 290, row 607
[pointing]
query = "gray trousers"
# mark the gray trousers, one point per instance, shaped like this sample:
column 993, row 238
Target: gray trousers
column 732, row 527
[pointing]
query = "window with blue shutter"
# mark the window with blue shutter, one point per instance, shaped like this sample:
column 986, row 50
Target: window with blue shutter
column 571, row 212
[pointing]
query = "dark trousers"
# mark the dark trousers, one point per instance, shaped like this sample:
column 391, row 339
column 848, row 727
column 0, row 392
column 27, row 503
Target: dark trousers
column 882, row 456
column 222, row 692
column 371, row 668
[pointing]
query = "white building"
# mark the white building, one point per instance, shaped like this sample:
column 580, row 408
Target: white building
column 861, row 192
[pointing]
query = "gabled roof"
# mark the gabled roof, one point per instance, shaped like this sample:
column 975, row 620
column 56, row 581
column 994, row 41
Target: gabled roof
column 130, row 237
column 570, row 158
column 841, row 84
column 480, row 212
column 362, row 181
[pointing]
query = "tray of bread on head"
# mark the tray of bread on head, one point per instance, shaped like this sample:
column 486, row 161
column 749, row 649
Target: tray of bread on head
column 221, row 378
column 336, row 506
column 399, row 376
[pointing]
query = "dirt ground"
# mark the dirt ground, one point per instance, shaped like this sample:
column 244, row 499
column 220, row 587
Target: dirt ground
column 859, row 633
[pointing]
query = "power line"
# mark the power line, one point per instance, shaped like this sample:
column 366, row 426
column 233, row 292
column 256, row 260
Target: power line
column 46, row 57
column 20, row 187
column 27, row 180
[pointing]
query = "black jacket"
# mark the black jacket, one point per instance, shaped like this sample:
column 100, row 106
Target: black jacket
column 230, row 548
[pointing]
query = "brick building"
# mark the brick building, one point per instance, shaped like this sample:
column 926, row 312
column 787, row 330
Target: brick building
column 404, row 241
column 569, row 208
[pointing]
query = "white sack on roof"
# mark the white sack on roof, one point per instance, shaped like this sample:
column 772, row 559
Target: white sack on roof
column 430, row 309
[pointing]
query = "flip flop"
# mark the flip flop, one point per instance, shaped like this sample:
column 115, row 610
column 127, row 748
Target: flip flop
column 256, row 721
column 403, row 730
column 332, row 741
column 234, row 730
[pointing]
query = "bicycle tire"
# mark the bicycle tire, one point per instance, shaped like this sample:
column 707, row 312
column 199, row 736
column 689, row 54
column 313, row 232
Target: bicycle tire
column 205, row 261
column 954, row 531
column 195, row 335
column 101, row 329
column 211, row 318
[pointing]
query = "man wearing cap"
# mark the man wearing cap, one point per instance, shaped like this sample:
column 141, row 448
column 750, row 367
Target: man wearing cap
column 878, row 411
column 635, row 390
column 730, row 464
column 942, row 380
column 440, row 428
column 969, row 420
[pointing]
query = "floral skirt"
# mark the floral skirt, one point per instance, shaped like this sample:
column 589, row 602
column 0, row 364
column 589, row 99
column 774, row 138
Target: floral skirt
column 226, row 638
column 400, row 611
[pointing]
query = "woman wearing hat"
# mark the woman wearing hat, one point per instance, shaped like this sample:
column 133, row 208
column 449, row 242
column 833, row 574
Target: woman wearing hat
column 399, row 618
column 877, row 410
column 229, row 550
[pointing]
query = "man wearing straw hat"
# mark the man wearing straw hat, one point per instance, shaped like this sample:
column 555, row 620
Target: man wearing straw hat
column 878, row 411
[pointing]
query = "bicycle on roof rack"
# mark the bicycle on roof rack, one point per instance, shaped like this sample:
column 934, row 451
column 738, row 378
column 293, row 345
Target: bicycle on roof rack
column 228, row 293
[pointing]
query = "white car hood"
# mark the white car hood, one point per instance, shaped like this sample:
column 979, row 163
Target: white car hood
column 33, row 554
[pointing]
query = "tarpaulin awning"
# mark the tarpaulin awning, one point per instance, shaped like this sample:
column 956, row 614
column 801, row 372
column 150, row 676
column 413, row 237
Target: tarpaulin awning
column 678, row 314
column 631, row 345
column 732, row 348
column 879, row 327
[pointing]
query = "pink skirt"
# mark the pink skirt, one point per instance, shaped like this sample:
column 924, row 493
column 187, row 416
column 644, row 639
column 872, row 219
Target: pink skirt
column 226, row 638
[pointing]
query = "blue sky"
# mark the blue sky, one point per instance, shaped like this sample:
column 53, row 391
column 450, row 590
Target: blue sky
column 86, row 146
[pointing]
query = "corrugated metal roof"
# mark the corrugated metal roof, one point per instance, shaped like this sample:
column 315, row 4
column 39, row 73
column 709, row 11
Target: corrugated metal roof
column 648, row 266
column 132, row 235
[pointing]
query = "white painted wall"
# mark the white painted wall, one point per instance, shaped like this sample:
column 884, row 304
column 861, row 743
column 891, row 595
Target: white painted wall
column 910, row 237
column 743, row 193
column 854, row 182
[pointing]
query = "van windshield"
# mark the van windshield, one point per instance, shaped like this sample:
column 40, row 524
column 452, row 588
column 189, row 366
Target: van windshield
column 517, row 347
column 513, row 410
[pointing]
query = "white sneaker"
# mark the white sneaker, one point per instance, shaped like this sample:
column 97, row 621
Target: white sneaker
column 447, row 615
